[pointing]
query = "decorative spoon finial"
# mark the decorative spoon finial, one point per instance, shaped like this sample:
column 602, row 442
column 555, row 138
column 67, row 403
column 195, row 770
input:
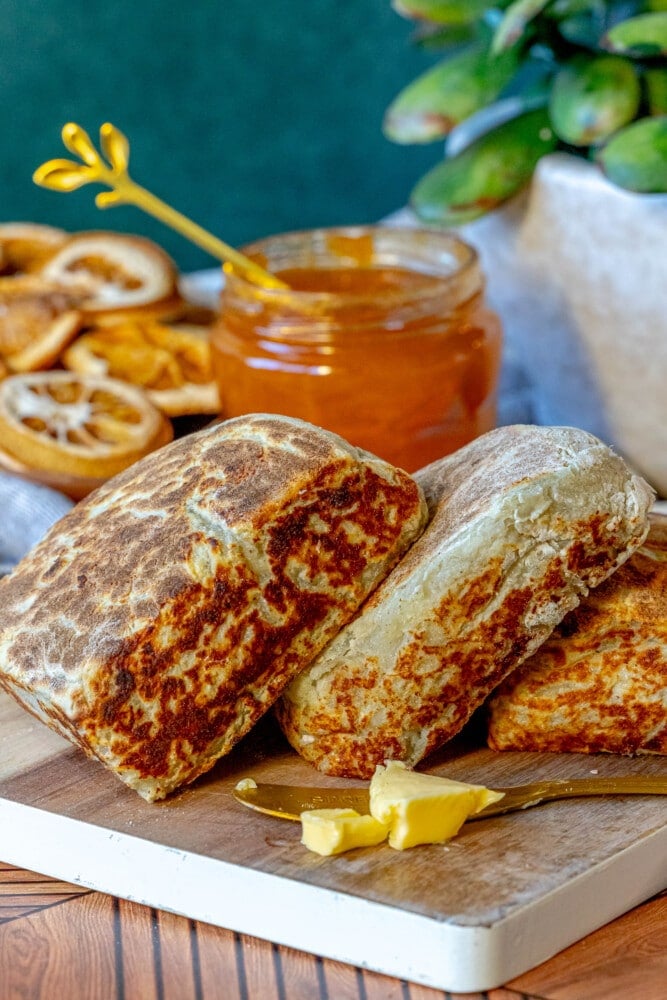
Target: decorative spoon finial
column 110, row 168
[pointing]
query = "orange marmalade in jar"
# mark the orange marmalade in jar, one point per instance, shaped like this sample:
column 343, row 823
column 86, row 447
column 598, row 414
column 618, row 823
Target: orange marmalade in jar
column 383, row 336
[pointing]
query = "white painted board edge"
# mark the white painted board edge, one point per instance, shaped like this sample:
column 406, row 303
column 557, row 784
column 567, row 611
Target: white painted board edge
column 342, row 927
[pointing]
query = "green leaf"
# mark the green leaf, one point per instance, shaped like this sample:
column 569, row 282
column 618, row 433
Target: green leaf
column 515, row 21
column 584, row 27
column 593, row 97
column 433, row 104
column 566, row 8
column 486, row 173
column 655, row 81
column 63, row 175
column 441, row 37
column 442, row 11
column 643, row 36
column 636, row 157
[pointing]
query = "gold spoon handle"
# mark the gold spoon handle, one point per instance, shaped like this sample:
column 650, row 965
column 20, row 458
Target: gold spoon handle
column 67, row 175
column 289, row 801
column 526, row 796
column 154, row 206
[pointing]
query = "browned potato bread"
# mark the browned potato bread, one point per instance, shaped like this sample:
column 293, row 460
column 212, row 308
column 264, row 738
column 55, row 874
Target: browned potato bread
column 599, row 683
column 523, row 521
column 165, row 613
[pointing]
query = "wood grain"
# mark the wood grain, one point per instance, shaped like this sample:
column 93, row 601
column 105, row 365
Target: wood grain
column 69, row 942
column 626, row 960
column 493, row 865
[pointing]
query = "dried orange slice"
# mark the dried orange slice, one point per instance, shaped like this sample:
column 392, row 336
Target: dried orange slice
column 76, row 487
column 76, row 424
column 167, row 310
column 172, row 363
column 26, row 246
column 107, row 272
column 37, row 321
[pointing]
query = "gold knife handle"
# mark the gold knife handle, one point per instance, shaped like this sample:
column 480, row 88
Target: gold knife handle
column 526, row 796
column 289, row 801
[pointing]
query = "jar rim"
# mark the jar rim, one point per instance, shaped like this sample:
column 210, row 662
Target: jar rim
column 442, row 255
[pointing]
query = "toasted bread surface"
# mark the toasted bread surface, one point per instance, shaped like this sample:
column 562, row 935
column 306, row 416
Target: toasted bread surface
column 523, row 521
column 166, row 612
column 599, row 683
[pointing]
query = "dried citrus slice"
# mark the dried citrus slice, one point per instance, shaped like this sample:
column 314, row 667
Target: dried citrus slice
column 76, row 487
column 167, row 310
column 26, row 246
column 107, row 272
column 45, row 348
column 172, row 363
column 76, row 424
column 37, row 321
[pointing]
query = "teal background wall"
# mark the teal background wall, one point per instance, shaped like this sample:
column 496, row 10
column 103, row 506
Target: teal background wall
column 250, row 117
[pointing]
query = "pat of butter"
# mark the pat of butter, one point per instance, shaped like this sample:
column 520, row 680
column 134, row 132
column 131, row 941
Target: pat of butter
column 332, row 831
column 423, row 808
column 245, row 784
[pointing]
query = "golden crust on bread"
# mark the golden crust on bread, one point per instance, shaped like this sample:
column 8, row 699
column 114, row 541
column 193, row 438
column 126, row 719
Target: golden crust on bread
column 599, row 683
column 523, row 521
column 165, row 613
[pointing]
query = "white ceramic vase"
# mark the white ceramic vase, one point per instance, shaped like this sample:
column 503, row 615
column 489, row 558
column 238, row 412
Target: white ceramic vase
column 577, row 270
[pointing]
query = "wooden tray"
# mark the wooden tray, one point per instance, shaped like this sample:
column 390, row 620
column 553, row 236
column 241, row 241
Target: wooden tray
column 502, row 897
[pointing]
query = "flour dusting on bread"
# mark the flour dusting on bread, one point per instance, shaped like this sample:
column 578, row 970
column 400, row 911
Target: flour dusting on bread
column 159, row 620
column 524, row 521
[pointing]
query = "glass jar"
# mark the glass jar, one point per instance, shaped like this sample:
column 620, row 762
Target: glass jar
column 383, row 336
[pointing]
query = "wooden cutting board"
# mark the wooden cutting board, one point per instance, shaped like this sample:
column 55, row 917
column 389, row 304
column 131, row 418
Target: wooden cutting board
column 500, row 898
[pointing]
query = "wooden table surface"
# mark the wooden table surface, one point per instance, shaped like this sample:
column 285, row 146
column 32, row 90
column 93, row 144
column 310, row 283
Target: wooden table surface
column 61, row 941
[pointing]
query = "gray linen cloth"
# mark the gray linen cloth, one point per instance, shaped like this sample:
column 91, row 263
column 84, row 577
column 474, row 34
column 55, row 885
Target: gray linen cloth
column 27, row 511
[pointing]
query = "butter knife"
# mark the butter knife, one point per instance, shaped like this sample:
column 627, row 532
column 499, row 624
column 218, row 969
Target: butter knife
column 289, row 801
